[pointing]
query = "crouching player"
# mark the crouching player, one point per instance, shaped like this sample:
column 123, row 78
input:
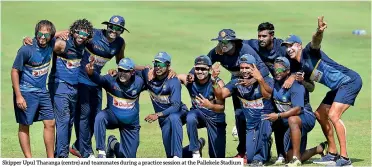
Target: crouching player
column 295, row 113
column 206, row 111
column 255, row 102
column 122, row 110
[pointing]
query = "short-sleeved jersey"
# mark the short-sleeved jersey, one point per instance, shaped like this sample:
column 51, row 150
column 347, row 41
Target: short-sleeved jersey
column 206, row 89
column 33, row 63
column 231, row 63
column 102, row 51
column 121, row 100
column 66, row 64
column 165, row 94
column 320, row 68
column 253, row 104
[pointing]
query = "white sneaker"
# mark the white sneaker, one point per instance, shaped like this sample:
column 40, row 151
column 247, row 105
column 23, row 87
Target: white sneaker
column 91, row 156
column 176, row 157
column 280, row 161
column 196, row 154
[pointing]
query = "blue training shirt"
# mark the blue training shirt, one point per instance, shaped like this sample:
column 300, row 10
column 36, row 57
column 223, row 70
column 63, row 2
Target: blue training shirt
column 165, row 94
column 121, row 100
column 253, row 104
column 66, row 65
column 102, row 51
column 33, row 62
column 320, row 68
column 206, row 89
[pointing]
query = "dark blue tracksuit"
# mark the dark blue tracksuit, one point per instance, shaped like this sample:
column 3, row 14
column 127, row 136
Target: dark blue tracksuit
column 63, row 81
column 200, row 117
column 90, row 95
column 122, row 112
column 166, row 97
column 254, row 106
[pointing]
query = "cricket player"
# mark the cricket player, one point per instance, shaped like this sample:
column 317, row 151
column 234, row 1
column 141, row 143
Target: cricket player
column 122, row 110
column 206, row 110
column 63, row 81
column 295, row 113
column 104, row 45
column 344, row 83
column 232, row 49
column 256, row 102
column 30, row 96
column 269, row 48
column 165, row 95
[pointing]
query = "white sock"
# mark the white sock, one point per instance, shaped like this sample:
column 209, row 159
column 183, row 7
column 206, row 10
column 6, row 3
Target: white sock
column 175, row 157
column 196, row 154
column 101, row 152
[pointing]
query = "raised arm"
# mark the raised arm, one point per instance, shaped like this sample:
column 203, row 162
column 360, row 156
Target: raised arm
column 222, row 93
column 121, row 54
column 265, row 88
column 318, row 35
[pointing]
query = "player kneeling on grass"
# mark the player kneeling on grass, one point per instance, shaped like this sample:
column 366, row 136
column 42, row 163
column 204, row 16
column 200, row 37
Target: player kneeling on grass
column 255, row 101
column 31, row 98
column 122, row 110
column 206, row 111
column 295, row 113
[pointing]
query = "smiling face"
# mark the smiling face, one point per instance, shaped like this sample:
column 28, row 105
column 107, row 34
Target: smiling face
column 81, row 36
column 293, row 49
column 280, row 71
column 160, row 68
column 226, row 45
column 43, row 36
column 201, row 71
column 245, row 70
column 124, row 75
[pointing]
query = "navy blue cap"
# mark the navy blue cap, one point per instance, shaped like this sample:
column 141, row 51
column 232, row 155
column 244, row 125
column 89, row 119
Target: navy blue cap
column 203, row 60
column 126, row 64
column 163, row 57
column 292, row 39
column 285, row 62
column 226, row 34
column 247, row 58
column 116, row 20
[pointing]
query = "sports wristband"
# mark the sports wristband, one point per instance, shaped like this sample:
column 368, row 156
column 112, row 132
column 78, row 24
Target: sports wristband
column 279, row 117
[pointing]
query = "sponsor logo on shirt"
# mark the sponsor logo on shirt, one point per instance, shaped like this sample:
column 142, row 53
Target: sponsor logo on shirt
column 40, row 72
column 122, row 103
column 253, row 104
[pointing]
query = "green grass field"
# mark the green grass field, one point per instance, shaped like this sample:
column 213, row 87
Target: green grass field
column 184, row 30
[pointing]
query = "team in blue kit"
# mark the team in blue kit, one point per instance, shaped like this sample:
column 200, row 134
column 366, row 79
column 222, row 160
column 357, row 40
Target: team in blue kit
column 263, row 104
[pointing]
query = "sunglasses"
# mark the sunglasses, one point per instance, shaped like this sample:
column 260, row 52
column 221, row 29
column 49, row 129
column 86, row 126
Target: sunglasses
column 201, row 69
column 224, row 42
column 280, row 70
column 82, row 33
column 124, row 71
column 159, row 64
column 40, row 34
column 115, row 28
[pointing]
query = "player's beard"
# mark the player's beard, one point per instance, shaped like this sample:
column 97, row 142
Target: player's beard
column 202, row 75
column 226, row 47
column 42, row 42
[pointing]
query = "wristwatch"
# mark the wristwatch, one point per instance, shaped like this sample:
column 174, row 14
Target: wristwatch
column 279, row 117
column 159, row 114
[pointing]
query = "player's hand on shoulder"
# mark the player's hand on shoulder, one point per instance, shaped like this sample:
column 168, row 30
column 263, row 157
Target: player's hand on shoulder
column 27, row 41
column 190, row 78
column 289, row 82
column 172, row 74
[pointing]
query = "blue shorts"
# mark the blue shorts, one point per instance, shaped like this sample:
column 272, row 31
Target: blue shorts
column 346, row 93
column 308, row 123
column 39, row 107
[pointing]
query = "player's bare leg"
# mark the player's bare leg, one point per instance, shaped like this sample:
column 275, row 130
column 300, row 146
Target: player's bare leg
column 49, row 137
column 24, row 140
column 322, row 117
column 334, row 114
column 313, row 151
column 295, row 132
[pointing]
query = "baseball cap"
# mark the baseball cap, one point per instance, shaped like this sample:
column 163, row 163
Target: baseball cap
column 292, row 39
column 116, row 20
column 247, row 58
column 285, row 62
column 126, row 64
column 163, row 57
column 203, row 60
column 226, row 34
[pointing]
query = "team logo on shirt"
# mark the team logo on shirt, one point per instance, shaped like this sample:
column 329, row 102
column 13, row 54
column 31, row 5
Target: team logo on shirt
column 134, row 92
column 164, row 87
column 252, row 104
column 284, row 98
column 113, row 51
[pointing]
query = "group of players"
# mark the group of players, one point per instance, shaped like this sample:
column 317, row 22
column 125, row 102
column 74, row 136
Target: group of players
column 262, row 104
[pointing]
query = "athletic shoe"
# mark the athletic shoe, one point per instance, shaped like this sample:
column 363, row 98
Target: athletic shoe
column 279, row 161
column 101, row 156
column 75, row 151
column 111, row 141
column 256, row 163
column 294, row 162
column 341, row 162
column 201, row 144
column 328, row 159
